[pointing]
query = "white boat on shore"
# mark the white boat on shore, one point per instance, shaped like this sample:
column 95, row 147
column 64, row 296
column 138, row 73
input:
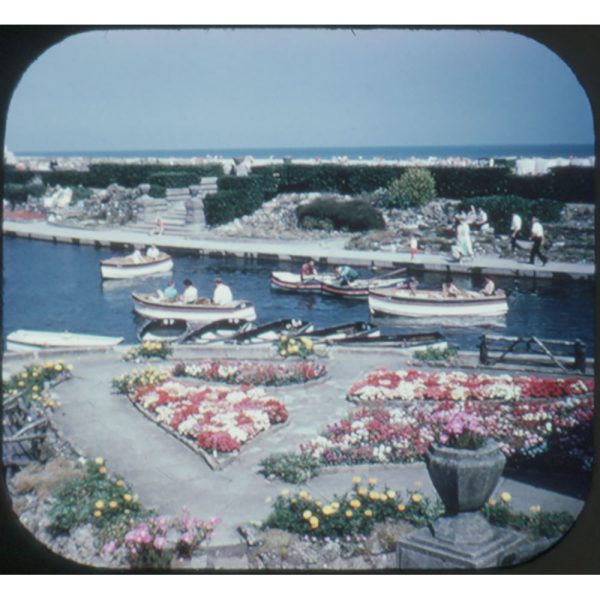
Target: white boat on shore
column 27, row 339
column 201, row 311
column 125, row 267
column 427, row 303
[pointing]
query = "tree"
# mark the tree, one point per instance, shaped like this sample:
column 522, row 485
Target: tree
column 415, row 187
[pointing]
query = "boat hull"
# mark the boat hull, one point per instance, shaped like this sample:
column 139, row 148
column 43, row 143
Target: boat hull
column 434, row 305
column 355, row 291
column 111, row 269
column 25, row 340
column 152, row 308
column 292, row 282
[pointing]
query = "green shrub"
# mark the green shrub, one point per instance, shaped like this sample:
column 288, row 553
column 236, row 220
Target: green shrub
column 465, row 182
column 174, row 179
column 573, row 184
column 18, row 193
column 223, row 207
column 81, row 193
column 353, row 215
column 415, row 187
column 157, row 191
column 290, row 467
column 500, row 209
column 433, row 354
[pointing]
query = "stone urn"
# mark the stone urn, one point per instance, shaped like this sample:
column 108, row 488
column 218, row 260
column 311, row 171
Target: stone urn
column 465, row 479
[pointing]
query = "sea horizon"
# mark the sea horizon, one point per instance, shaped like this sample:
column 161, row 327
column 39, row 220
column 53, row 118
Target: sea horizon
column 471, row 151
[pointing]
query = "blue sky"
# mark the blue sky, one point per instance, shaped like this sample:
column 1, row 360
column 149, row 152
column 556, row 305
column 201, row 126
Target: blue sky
column 168, row 89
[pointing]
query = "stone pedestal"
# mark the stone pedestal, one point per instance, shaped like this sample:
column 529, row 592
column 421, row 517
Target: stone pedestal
column 463, row 541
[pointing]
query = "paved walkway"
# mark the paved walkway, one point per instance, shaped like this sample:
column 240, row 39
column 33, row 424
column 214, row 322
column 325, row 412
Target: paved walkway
column 168, row 475
column 329, row 251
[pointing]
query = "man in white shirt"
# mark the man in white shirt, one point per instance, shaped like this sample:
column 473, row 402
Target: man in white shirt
column 537, row 235
column 222, row 293
column 153, row 252
column 190, row 293
column 515, row 231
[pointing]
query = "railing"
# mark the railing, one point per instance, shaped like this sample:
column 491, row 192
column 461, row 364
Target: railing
column 561, row 350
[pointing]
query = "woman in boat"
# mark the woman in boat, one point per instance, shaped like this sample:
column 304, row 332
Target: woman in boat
column 449, row 289
column 489, row 288
column 170, row 292
column 346, row 274
column 222, row 293
column 190, row 293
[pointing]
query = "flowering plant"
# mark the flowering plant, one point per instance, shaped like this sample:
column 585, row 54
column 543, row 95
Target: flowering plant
column 34, row 380
column 129, row 382
column 251, row 373
column 295, row 346
column 463, row 430
column 148, row 349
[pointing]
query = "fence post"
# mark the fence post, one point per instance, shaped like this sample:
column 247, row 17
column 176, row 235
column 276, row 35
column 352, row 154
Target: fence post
column 579, row 349
column 483, row 350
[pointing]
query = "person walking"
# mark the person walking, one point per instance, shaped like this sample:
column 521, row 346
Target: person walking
column 537, row 236
column 515, row 231
column 413, row 247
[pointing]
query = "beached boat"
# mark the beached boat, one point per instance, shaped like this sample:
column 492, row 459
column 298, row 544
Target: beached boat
column 162, row 330
column 428, row 303
column 358, row 289
column 270, row 332
column 201, row 311
column 27, row 339
column 217, row 331
column 346, row 330
column 408, row 341
column 125, row 267
column 292, row 282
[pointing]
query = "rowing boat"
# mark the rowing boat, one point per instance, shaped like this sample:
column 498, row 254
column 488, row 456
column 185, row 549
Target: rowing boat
column 358, row 289
column 292, row 282
column 407, row 341
column 27, row 339
column 427, row 303
column 270, row 332
column 346, row 330
column 125, row 267
column 201, row 311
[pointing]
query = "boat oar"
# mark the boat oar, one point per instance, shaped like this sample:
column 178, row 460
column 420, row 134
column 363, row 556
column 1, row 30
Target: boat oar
column 386, row 275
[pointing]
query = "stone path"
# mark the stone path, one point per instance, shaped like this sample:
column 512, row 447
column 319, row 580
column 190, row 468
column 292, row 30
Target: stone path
column 167, row 475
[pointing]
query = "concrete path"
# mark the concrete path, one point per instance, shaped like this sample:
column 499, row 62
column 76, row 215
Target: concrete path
column 328, row 251
column 167, row 475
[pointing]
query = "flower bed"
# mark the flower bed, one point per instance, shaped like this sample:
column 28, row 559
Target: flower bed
column 383, row 385
column 252, row 373
column 148, row 349
column 215, row 419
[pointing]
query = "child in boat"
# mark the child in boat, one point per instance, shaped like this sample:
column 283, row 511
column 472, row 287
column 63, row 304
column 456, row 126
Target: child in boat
column 222, row 293
column 346, row 274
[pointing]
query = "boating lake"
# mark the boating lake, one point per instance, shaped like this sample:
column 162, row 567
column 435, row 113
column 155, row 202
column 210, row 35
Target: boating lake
column 57, row 287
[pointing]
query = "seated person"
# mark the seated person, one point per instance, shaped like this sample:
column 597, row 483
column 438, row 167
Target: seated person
column 190, row 293
column 308, row 270
column 489, row 288
column 222, row 293
column 136, row 256
column 481, row 220
column 170, row 292
column 449, row 289
column 153, row 252
column 346, row 274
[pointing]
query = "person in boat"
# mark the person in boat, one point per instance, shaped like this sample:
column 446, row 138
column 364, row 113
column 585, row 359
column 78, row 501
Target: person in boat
column 222, row 293
column 308, row 270
column 346, row 274
column 449, row 289
column 410, row 284
column 489, row 288
column 190, row 293
column 170, row 292
column 153, row 252
column 136, row 256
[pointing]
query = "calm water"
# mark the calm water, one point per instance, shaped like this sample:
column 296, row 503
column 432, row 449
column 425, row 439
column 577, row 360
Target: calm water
column 57, row 287
column 365, row 152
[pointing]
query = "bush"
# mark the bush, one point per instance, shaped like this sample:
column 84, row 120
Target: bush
column 290, row 467
column 17, row 193
column 224, row 207
column 174, row 179
column 500, row 209
column 573, row 184
column 157, row 191
column 353, row 215
column 416, row 187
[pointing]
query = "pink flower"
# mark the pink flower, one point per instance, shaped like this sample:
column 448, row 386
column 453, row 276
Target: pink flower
column 109, row 547
column 160, row 542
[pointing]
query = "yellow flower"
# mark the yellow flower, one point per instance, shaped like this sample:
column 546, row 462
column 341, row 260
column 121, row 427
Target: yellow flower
column 314, row 522
column 103, row 470
column 383, row 497
column 505, row 497
column 284, row 492
column 335, row 505
column 372, row 481
column 535, row 508
column 416, row 498
column 99, row 461
column 120, row 483
column 318, row 502
column 126, row 511
column 362, row 491
column 304, row 495
column 401, row 508
column 21, row 384
column 99, row 504
column 113, row 504
column 391, row 494
column 348, row 513
column 373, row 495
column 355, row 503
column 58, row 367
column 368, row 513
column 24, row 375
column 97, row 514
column 307, row 515
column 356, row 480
column 327, row 510
column 35, row 388
column 127, row 497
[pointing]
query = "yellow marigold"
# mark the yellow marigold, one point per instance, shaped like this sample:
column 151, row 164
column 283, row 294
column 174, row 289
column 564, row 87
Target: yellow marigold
column 21, row 384
column 535, row 508
column 505, row 497
column 58, row 367
column 307, row 514
column 348, row 513
column 314, row 522
column 103, row 470
column 372, row 481
column 24, row 375
column 391, row 494
column 355, row 503
column 373, row 495
column 362, row 491
column 120, row 483
column 304, row 495
column 318, row 502
column 127, row 497
column 416, row 498
column 368, row 513
column 401, row 508
column 356, row 480
column 97, row 514
column 335, row 505
column 99, row 461
column 383, row 497
column 99, row 504
column 113, row 504
column 328, row 510
column 35, row 388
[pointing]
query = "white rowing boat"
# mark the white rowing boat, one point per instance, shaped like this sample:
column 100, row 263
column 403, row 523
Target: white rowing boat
column 125, row 267
column 293, row 282
column 426, row 303
column 26, row 339
column 201, row 311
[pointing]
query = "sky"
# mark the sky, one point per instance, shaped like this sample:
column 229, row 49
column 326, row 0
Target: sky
column 270, row 88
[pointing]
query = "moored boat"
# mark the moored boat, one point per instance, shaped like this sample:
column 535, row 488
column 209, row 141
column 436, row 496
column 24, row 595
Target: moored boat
column 270, row 332
column 358, row 289
column 428, row 303
column 217, row 331
column 27, row 339
column 346, row 330
column 125, row 267
column 162, row 330
column 408, row 341
column 201, row 311
column 293, row 282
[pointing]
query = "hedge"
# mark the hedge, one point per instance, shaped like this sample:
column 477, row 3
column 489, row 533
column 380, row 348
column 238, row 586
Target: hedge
column 17, row 193
column 226, row 206
column 174, row 179
column 353, row 215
